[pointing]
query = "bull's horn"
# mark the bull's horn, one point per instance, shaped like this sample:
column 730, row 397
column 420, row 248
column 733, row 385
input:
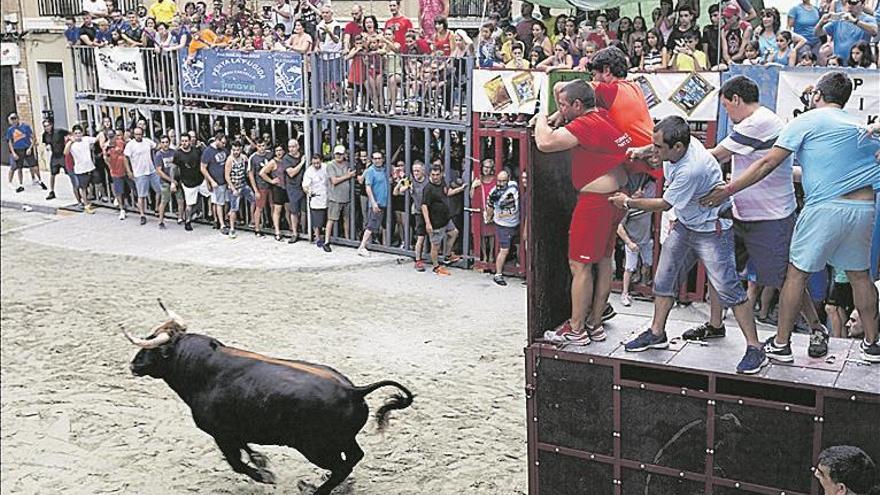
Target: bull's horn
column 150, row 343
column 171, row 314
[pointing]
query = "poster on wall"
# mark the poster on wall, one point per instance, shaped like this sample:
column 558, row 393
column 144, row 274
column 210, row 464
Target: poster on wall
column 691, row 95
column 793, row 96
column 508, row 91
column 263, row 75
column 120, row 69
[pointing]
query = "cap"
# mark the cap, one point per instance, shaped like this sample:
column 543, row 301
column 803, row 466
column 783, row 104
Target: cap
column 730, row 10
column 339, row 149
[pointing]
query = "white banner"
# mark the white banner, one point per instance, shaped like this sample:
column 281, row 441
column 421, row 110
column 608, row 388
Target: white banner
column 508, row 91
column 120, row 69
column 792, row 98
column 691, row 95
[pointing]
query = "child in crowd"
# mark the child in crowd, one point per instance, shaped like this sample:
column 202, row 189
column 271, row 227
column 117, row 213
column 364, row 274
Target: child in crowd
column 637, row 235
column 688, row 58
column 487, row 49
column 753, row 54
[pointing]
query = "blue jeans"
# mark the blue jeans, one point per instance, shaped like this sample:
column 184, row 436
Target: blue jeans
column 244, row 193
column 681, row 251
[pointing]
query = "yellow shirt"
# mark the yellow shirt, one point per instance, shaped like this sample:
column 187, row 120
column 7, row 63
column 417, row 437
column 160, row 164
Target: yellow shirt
column 163, row 11
column 513, row 65
column 507, row 51
column 685, row 62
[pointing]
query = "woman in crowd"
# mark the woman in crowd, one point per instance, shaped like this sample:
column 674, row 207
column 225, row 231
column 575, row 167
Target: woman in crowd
column 639, row 31
column 636, row 54
column 558, row 28
column 860, row 56
column 766, row 34
column 536, row 56
column 655, row 57
column 540, row 39
column 371, row 27
column 480, row 189
column 560, row 60
column 431, row 11
column 148, row 35
column 273, row 173
column 624, row 30
column 300, row 41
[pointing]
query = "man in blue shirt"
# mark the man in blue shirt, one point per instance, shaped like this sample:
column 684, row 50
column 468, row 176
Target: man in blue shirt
column 20, row 140
column 836, row 225
column 690, row 172
column 376, row 185
column 847, row 28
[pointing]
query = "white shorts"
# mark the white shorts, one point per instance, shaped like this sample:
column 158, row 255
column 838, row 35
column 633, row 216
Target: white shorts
column 646, row 253
column 192, row 193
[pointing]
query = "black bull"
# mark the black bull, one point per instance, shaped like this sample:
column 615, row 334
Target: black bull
column 239, row 397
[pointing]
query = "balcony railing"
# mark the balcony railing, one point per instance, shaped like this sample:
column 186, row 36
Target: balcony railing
column 465, row 8
column 409, row 86
column 64, row 8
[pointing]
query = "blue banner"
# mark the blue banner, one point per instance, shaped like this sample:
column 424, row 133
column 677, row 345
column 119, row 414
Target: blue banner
column 257, row 75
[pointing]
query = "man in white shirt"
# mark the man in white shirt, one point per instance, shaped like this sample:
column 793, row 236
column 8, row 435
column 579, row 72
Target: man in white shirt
column 280, row 12
column 79, row 148
column 139, row 162
column 315, row 186
column 764, row 214
column 328, row 39
column 97, row 8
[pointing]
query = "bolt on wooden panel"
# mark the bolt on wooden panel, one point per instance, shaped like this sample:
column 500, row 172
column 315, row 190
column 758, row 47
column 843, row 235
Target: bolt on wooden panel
column 644, row 483
column 563, row 475
column 575, row 405
column 763, row 446
column 663, row 429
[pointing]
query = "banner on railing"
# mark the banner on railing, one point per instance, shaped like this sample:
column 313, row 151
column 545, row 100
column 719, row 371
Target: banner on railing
column 260, row 75
column 120, row 69
column 508, row 91
column 693, row 96
column 793, row 94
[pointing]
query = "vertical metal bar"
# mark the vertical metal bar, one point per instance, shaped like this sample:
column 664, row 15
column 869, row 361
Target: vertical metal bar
column 355, row 204
column 389, row 214
column 466, row 176
column 408, row 200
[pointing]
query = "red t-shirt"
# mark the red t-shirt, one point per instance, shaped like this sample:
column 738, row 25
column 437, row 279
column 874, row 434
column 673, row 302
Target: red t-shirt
column 116, row 158
column 443, row 44
column 352, row 29
column 601, row 147
column 400, row 25
column 626, row 106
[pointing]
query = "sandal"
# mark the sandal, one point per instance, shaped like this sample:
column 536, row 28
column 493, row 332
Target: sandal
column 259, row 233
column 278, row 237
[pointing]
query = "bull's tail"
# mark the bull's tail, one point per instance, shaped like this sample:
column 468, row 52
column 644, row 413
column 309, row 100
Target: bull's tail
column 397, row 401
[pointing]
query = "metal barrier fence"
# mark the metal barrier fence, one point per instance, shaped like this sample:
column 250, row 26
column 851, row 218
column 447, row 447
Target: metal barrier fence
column 394, row 86
column 142, row 74
column 64, row 8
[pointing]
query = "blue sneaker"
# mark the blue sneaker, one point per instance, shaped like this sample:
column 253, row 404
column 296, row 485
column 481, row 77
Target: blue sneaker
column 777, row 352
column 647, row 340
column 753, row 361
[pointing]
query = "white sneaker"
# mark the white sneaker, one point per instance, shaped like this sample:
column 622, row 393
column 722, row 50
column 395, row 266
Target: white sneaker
column 363, row 252
column 122, row 214
column 626, row 300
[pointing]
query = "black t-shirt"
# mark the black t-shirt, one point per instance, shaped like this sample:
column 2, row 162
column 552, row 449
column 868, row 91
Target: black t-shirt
column 713, row 48
column 678, row 34
column 88, row 31
column 56, row 142
column 435, row 199
column 190, row 166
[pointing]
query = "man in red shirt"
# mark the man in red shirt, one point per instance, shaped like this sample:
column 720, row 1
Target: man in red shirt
column 354, row 27
column 598, row 151
column 398, row 23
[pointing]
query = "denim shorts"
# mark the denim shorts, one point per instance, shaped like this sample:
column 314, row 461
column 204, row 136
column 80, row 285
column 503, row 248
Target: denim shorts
column 218, row 195
column 119, row 184
column 505, row 235
column 836, row 233
column 681, row 251
column 375, row 220
column 245, row 192
column 146, row 182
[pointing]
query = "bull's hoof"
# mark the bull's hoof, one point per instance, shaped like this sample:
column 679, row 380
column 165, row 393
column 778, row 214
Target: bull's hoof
column 259, row 459
column 264, row 476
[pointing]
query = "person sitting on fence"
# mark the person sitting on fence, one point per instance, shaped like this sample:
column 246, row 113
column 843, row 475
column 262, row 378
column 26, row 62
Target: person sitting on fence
column 503, row 210
column 598, row 149
column 690, row 172
column 638, row 237
column 206, row 38
column 239, row 184
column 315, row 183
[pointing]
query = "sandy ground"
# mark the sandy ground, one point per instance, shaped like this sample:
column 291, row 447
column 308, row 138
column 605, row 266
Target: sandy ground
column 74, row 420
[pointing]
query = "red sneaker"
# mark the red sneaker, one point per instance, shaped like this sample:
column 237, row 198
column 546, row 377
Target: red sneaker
column 420, row 266
column 565, row 334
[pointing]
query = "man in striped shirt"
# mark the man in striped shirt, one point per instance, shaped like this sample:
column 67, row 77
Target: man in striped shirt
column 764, row 214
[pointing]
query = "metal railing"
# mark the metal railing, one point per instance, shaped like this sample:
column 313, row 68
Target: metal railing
column 94, row 70
column 419, row 87
column 64, row 8
column 465, row 8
